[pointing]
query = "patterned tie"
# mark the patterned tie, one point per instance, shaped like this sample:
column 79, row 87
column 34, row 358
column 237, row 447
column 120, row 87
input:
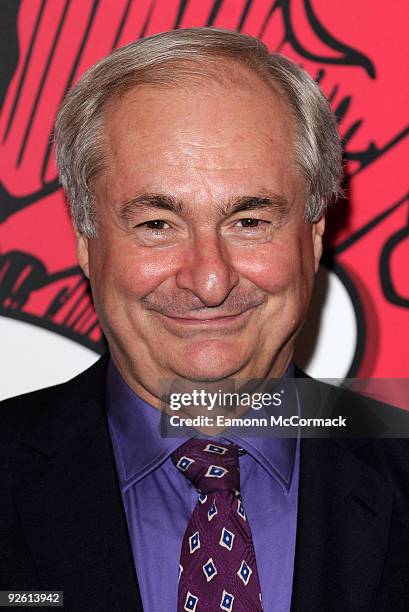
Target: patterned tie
column 217, row 568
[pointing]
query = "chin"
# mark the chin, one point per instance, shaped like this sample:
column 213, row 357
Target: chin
column 209, row 363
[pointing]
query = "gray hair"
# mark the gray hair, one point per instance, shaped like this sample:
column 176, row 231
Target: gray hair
column 163, row 60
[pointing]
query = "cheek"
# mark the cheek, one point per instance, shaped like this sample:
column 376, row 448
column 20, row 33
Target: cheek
column 270, row 268
column 134, row 273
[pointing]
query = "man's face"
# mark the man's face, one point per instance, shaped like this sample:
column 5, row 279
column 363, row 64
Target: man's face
column 204, row 264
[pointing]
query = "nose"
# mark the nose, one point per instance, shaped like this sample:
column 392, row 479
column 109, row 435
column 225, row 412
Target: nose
column 207, row 271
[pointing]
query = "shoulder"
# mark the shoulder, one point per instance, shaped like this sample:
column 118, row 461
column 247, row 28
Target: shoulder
column 376, row 440
column 50, row 408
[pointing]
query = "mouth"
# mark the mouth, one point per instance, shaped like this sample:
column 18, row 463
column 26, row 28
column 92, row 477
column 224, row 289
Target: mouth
column 207, row 320
column 204, row 322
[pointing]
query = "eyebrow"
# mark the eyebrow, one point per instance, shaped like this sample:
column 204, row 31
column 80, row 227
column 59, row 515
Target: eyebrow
column 160, row 201
column 273, row 202
column 151, row 200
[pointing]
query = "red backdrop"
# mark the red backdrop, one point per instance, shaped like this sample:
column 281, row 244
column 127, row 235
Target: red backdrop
column 357, row 50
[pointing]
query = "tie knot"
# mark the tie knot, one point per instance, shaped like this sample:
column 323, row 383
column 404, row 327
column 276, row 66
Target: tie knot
column 209, row 466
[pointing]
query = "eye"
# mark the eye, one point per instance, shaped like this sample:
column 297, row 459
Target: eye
column 249, row 229
column 250, row 222
column 155, row 232
column 155, row 224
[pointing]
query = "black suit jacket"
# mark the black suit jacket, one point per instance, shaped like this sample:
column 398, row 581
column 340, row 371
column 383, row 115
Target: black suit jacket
column 63, row 527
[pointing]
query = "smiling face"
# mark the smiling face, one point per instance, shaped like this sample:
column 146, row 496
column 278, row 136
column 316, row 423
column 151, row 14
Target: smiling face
column 203, row 266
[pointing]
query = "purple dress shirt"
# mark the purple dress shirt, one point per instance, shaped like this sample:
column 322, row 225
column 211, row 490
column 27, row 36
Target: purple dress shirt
column 159, row 501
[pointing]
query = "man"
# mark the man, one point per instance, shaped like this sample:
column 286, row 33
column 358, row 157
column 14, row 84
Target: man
column 198, row 169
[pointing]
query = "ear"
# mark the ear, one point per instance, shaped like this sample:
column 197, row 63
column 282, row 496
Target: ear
column 318, row 229
column 83, row 252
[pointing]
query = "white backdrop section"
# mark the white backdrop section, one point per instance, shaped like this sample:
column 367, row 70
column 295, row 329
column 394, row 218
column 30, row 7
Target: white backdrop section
column 32, row 358
column 327, row 343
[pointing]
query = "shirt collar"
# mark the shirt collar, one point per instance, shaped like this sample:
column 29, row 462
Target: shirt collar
column 139, row 448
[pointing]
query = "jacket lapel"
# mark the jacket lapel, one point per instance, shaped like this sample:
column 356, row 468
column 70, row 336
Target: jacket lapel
column 342, row 532
column 70, row 504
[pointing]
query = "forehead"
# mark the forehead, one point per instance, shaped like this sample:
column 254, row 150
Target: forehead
column 238, row 132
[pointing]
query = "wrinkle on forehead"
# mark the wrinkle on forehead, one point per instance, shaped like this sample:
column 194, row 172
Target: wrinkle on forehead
column 207, row 137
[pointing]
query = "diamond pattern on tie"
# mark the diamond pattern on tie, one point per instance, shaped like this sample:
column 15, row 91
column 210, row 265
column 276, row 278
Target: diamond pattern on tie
column 210, row 570
column 211, row 513
column 217, row 553
column 226, row 539
column 191, row 602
